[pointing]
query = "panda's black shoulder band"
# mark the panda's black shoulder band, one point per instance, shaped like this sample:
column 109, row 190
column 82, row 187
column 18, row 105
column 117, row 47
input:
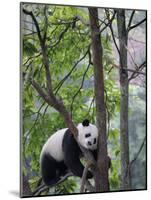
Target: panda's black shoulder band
column 85, row 122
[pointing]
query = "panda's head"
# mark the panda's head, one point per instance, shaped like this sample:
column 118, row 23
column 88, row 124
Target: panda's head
column 87, row 135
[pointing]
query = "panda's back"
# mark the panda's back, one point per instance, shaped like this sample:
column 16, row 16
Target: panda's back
column 53, row 146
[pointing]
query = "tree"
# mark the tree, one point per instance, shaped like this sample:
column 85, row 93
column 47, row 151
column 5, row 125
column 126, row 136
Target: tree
column 124, row 136
column 69, row 74
column 124, row 89
column 102, row 183
column 50, row 98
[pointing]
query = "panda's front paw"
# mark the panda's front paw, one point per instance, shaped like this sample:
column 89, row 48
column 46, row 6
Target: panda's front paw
column 89, row 175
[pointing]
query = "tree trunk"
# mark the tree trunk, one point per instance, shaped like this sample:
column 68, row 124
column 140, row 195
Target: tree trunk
column 124, row 138
column 101, row 175
column 25, row 190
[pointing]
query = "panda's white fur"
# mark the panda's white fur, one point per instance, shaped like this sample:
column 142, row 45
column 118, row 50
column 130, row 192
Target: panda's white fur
column 53, row 146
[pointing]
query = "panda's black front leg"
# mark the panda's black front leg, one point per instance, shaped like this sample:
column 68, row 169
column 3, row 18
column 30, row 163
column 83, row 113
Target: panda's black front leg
column 72, row 154
column 75, row 165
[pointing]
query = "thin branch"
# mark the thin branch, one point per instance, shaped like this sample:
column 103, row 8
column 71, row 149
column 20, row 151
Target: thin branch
column 32, row 57
column 109, row 22
column 137, row 72
column 136, row 156
column 43, row 48
column 41, row 92
column 56, row 89
column 92, row 101
column 60, row 36
column 136, row 25
column 130, row 20
column 139, row 151
column 74, row 20
column 71, row 107
column 131, row 56
column 114, row 40
column 38, row 114
column 46, row 23
column 44, row 187
column 136, row 40
column 45, row 110
column 78, row 17
column 35, row 22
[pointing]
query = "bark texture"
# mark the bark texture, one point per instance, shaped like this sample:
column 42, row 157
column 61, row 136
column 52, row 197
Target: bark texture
column 25, row 190
column 124, row 138
column 101, row 175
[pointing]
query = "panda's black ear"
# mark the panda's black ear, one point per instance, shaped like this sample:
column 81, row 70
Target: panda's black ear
column 85, row 122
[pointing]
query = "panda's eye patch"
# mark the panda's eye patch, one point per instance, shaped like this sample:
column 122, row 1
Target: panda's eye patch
column 87, row 135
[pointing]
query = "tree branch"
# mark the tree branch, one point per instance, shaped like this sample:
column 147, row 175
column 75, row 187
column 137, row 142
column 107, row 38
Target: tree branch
column 130, row 20
column 73, row 98
column 137, row 71
column 32, row 57
column 136, row 156
column 114, row 40
column 46, row 24
column 84, row 180
column 109, row 22
column 50, row 98
column 41, row 92
column 138, row 24
column 43, row 48
column 56, row 89
column 60, row 37
column 30, row 13
column 44, row 187
column 139, row 151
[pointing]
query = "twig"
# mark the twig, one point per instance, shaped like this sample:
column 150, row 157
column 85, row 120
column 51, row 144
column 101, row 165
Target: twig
column 35, row 22
column 136, row 156
column 35, row 56
column 138, row 153
column 41, row 92
column 44, row 187
column 43, row 48
column 136, row 73
column 109, row 22
column 114, row 40
column 138, row 24
column 92, row 101
column 56, row 89
column 60, row 36
column 71, row 107
column 130, row 20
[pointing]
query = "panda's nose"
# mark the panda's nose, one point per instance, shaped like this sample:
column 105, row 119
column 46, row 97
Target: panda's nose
column 89, row 143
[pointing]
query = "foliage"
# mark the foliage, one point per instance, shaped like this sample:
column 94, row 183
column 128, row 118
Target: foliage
column 39, row 120
column 67, row 42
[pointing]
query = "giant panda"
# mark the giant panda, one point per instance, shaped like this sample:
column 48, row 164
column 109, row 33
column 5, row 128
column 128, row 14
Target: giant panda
column 61, row 153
